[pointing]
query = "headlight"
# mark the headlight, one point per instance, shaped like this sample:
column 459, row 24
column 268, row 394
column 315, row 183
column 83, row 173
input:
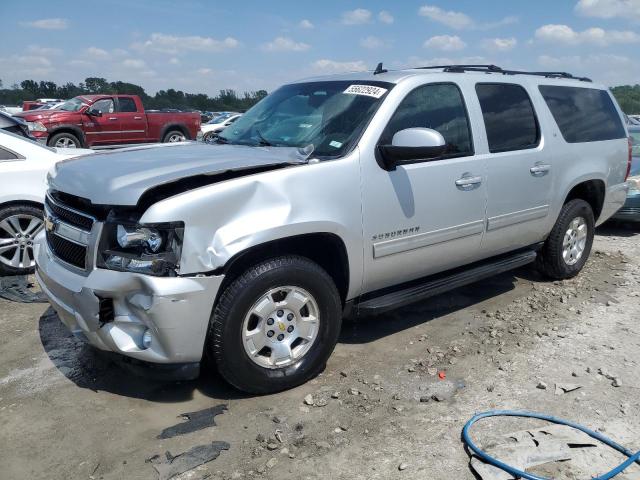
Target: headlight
column 149, row 249
column 36, row 127
column 634, row 183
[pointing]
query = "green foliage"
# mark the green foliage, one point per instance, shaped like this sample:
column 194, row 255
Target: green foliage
column 226, row 100
column 628, row 98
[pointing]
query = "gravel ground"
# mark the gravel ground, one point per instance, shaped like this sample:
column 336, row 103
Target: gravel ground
column 380, row 410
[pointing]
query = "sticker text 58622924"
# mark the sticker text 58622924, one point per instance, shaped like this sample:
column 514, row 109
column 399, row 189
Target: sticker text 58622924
column 368, row 90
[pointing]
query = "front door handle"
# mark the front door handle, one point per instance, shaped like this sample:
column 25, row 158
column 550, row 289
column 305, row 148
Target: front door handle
column 540, row 169
column 468, row 181
column 137, row 118
column 113, row 118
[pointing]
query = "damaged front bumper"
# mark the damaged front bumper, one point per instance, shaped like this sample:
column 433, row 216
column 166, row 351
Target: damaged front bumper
column 150, row 319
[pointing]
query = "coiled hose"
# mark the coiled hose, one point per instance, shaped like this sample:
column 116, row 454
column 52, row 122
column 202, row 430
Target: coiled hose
column 632, row 457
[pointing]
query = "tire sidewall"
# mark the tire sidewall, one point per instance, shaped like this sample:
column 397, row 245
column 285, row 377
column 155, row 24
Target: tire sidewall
column 249, row 375
column 172, row 132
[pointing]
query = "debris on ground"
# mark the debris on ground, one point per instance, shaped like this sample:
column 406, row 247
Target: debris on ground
column 172, row 465
column 194, row 421
column 20, row 289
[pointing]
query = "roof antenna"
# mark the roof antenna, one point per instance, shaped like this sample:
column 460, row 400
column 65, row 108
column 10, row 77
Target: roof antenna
column 379, row 69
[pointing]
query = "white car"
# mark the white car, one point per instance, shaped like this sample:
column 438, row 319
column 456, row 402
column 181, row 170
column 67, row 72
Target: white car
column 10, row 110
column 217, row 124
column 23, row 169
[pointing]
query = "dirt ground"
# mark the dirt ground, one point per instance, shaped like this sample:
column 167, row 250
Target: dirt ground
column 67, row 413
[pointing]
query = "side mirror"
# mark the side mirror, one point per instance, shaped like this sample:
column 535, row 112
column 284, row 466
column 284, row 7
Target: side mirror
column 93, row 112
column 412, row 145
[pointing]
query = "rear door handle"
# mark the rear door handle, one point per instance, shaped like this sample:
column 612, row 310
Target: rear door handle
column 467, row 182
column 540, row 169
column 137, row 118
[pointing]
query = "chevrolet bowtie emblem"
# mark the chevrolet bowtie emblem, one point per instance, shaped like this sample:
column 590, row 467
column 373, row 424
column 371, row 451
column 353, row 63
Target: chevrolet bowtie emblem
column 281, row 326
column 49, row 224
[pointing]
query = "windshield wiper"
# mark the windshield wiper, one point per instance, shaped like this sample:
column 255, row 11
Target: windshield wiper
column 263, row 141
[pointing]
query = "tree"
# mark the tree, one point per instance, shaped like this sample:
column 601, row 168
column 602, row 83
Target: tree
column 97, row 85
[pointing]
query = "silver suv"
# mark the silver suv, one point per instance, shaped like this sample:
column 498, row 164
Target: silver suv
column 333, row 196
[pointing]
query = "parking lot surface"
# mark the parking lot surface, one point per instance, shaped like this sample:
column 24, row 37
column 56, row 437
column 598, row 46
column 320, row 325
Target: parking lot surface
column 391, row 402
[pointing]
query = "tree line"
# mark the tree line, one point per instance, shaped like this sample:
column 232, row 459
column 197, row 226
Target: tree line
column 225, row 100
column 628, row 96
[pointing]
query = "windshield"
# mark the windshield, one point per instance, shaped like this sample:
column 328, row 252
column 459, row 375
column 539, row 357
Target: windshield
column 328, row 115
column 220, row 118
column 72, row 105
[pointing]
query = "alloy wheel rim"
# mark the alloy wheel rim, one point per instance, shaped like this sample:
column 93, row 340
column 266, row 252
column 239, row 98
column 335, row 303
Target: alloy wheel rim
column 176, row 137
column 575, row 241
column 16, row 240
column 281, row 327
column 65, row 143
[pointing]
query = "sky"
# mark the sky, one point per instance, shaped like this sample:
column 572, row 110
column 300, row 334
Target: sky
column 203, row 46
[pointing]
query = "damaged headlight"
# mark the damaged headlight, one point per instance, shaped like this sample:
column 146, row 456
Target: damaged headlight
column 149, row 249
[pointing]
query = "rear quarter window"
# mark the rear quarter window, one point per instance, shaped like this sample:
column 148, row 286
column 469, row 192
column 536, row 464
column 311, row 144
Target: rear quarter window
column 583, row 114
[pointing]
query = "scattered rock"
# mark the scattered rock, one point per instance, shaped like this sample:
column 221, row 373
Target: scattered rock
column 272, row 463
column 403, row 466
column 354, row 391
column 541, row 386
column 335, row 395
column 323, row 445
column 308, row 400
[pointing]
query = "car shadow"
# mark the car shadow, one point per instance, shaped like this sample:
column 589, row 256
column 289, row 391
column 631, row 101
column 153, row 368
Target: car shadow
column 91, row 369
column 365, row 329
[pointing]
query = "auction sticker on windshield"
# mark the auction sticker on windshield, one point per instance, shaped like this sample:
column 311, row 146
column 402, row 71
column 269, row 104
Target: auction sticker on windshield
column 368, row 90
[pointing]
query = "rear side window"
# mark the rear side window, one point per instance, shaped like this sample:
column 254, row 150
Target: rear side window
column 583, row 114
column 509, row 118
column 438, row 106
column 126, row 104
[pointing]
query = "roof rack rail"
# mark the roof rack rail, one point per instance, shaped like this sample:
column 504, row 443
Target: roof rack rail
column 496, row 69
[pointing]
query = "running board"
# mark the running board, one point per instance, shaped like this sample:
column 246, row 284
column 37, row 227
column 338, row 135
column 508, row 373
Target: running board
column 437, row 284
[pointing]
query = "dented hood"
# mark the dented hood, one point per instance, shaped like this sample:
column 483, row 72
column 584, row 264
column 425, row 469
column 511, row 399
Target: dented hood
column 120, row 177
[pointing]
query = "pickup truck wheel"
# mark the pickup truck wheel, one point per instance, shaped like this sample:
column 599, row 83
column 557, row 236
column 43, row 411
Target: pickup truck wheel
column 64, row 140
column 174, row 136
column 19, row 224
column 567, row 248
column 275, row 326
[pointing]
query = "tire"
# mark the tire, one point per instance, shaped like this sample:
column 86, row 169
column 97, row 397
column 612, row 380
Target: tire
column 64, row 140
column 18, row 223
column 208, row 136
column 556, row 260
column 174, row 136
column 232, row 316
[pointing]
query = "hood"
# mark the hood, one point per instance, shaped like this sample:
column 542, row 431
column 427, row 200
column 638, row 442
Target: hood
column 40, row 115
column 121, row 177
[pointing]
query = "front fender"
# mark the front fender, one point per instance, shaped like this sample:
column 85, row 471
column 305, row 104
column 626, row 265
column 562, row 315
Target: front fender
column 226, row 218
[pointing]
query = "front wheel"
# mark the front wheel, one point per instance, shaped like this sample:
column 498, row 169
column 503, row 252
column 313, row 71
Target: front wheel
column 275, row 326
column 64, row 140
column 567, row 248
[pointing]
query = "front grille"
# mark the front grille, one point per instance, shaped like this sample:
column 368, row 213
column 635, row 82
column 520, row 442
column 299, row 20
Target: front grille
column 67, row 251
column 69, row 216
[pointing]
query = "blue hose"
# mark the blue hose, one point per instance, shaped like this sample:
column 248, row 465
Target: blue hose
column 633, row 458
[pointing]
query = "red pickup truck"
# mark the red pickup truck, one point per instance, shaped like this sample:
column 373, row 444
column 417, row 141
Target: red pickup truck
column 108, row 120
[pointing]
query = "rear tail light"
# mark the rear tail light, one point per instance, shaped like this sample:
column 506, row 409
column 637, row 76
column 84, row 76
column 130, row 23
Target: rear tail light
column 629, row 159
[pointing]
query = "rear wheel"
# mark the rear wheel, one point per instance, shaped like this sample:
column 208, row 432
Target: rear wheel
column 64, row 140
column 275, row 326
column 174, row 136
column 567, row 248
column 19, row 224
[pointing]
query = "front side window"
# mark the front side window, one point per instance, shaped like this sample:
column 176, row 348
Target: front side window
column 439, row 107
column 126, row 104
column 583, row 114
column 509, row 118
column 329, row 115
column 7, row 155
column 103, row 106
